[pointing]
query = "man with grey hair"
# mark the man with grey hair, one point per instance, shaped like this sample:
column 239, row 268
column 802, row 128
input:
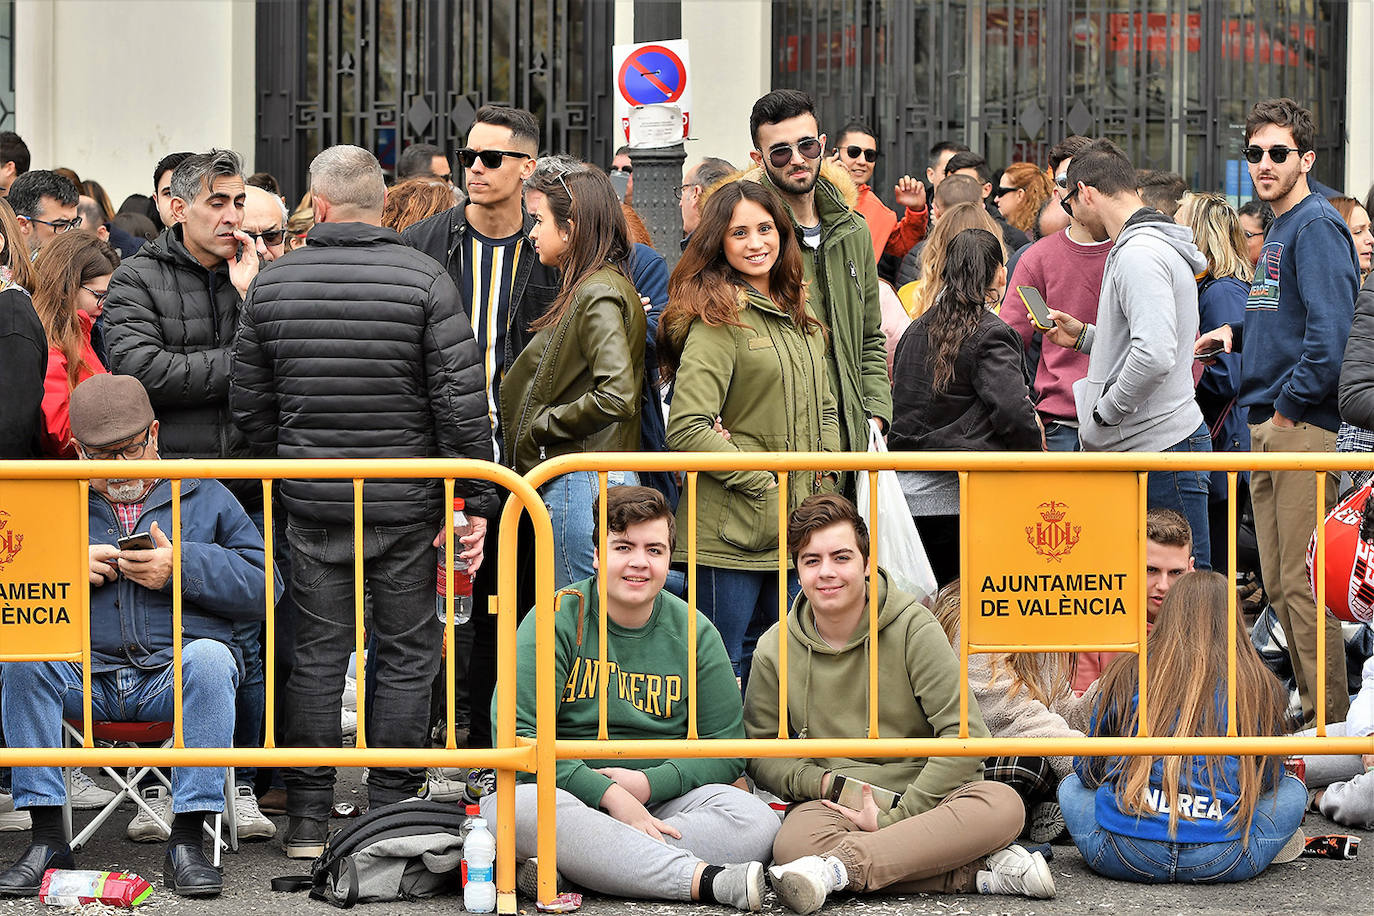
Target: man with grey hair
column 264, row 221
column 357, row 346
column 701, row 177
column 170, row 320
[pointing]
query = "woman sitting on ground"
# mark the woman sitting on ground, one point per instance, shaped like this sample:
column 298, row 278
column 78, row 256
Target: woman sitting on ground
column 1024, row 695
column 1182, row 819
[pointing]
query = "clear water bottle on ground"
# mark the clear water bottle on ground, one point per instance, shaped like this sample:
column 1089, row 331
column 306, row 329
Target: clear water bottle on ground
column 472, row 812
column 462, row 579
column 479, row 863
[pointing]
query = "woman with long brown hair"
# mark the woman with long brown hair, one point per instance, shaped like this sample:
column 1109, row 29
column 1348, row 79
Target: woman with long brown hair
column 1196, row 819
column 577, row 385
column 409, row 201
column 958, row 385
column 743, row 348
column 16, row 270
column 73, row 277
column 932, row 260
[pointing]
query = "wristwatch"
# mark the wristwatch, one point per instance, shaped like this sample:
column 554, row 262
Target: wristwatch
column 1097, row 418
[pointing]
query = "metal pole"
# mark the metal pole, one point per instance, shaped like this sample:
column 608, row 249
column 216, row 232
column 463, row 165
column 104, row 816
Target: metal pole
column 658, row 172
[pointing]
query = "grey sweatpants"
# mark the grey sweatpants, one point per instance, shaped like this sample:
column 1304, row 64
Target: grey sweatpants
column 1349, row 795
column 720, row 825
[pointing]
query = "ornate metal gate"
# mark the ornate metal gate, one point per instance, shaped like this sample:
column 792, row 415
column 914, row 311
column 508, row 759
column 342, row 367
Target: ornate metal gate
column 384, row 74
column 1169, row 80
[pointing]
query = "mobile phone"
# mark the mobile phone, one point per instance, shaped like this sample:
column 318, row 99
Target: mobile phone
column 1036, row 308
column 141, row 541
column 620, row 183
column 1208, row 354
column 849, row 792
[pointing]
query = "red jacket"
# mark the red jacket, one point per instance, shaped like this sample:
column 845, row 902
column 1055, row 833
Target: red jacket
column 57, row 395
column 889, row 235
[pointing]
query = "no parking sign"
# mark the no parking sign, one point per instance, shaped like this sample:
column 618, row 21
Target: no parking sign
column 651, row 73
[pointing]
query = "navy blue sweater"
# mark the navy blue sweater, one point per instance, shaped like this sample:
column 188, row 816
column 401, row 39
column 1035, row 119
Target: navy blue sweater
column 1298, row 316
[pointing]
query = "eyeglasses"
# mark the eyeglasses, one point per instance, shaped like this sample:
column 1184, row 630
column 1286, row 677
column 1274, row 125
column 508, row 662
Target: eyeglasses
column 1002, row 191
column 681, row 190
column 130, row 452
column 491, row 158
column 58, row 225
column 853, row 152
column 1277, row 154
column 1062, row 181
column 781, row 153
column 268, row 236
column 1252, row 235
column 1066, row 201
column 99, row 294
column 624, row 170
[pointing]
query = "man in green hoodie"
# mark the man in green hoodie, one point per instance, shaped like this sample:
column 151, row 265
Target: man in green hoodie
column 650, row 829
column 946, row 830
column 841, row 272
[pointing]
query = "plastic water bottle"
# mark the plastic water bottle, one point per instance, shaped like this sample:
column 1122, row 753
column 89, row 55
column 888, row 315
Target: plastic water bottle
column 462, row 581
column 472, row 812
column 479, row 862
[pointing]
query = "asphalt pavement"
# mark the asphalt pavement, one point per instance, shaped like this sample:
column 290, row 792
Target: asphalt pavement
column 1305, row 886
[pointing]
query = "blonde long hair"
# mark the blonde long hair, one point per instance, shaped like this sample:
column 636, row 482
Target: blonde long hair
column 1044, row 676
column 1218, row 235
column 1030, row 178
column 1186, row 658
column 952, row 222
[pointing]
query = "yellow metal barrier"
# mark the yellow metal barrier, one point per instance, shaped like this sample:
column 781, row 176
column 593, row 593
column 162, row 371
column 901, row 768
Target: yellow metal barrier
column 508, row 756
column 540, row 753
column 551, row 749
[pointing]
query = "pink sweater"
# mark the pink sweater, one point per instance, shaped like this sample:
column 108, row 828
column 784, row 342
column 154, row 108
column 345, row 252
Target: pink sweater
column 1069, row 276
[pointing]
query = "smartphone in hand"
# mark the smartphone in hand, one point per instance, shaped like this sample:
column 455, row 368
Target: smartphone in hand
column 141, row 541
column 1036, row 308
column 849, row 792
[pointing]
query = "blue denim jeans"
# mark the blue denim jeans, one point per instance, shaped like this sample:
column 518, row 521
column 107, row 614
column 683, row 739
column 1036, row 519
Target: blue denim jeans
column 38, row 695
column 743, row 604
column 569, row 500
column 1061, row 437
column 1186, row 492
column 1277, row 814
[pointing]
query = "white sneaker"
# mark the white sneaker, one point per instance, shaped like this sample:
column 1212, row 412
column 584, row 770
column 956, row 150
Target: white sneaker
column 85, row 794
column 447, row 784
column 145, row 829
column 1015, row 870
column 350, row 693
column 249, row 820
column 348, row 721
column 12, row 821
column 804, row 884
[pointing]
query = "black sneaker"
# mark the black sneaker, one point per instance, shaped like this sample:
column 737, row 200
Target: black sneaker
column 305, row 837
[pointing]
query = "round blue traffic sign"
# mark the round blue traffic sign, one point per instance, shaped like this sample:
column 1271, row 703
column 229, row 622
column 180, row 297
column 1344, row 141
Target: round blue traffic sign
column 652, row 75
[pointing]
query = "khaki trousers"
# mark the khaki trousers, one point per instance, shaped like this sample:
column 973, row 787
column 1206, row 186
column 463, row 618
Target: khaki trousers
column 940, row 850
column 1285, row 504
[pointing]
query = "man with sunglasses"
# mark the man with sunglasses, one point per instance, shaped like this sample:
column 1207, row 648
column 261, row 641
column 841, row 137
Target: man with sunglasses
column 858, row 152
column 223, row 570
column 840, row 268
column 1297, row 322
column 45, row 204
column 264, row 221
column 484, row 243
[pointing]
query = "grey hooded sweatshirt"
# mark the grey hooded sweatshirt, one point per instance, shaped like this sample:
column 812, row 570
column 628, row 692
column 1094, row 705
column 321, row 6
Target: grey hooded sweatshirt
column 1140, row 364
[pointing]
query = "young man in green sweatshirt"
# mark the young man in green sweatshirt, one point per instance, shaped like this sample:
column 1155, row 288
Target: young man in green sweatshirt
column 651, row 829
column 946, row 830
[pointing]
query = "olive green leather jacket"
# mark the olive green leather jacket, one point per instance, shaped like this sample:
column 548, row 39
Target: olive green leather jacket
column 576, row 387
column 767, row 381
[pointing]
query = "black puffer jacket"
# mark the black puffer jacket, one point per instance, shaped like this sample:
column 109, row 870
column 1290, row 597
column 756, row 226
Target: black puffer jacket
column 356, row 346
column 1357, row 369
column 170, row 324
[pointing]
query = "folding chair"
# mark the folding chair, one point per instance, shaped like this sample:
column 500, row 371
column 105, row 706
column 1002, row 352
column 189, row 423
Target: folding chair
column 141, row 733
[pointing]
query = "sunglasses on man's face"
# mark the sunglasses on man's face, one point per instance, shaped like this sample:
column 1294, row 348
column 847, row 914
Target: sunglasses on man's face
column 491, row 158
column 854, row 152
column 268, row 236
column 781, row 153
column 1277, row 154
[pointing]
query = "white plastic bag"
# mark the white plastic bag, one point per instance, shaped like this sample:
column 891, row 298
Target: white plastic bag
column 895, row 537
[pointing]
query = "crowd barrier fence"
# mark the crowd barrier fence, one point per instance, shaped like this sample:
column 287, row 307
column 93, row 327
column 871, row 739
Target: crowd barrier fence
column 994, row 487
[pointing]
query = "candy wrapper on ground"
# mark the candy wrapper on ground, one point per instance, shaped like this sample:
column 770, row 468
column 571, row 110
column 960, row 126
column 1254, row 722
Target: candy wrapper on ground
column 563, row 903
column 71, row 887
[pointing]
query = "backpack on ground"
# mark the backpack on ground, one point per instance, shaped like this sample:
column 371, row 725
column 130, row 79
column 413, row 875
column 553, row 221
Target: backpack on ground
column 404, row 851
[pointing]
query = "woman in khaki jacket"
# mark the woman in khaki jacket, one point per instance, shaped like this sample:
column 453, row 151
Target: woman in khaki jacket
column 576, row 386
column 747, row 351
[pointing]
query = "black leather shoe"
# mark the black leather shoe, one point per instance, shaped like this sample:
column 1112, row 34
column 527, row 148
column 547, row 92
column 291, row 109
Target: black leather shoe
column 187, row 872
column 25, row 877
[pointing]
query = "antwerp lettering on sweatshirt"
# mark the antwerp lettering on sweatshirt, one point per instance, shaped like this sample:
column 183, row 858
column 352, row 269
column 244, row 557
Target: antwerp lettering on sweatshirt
column 652, row 694
column 1197, row 807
